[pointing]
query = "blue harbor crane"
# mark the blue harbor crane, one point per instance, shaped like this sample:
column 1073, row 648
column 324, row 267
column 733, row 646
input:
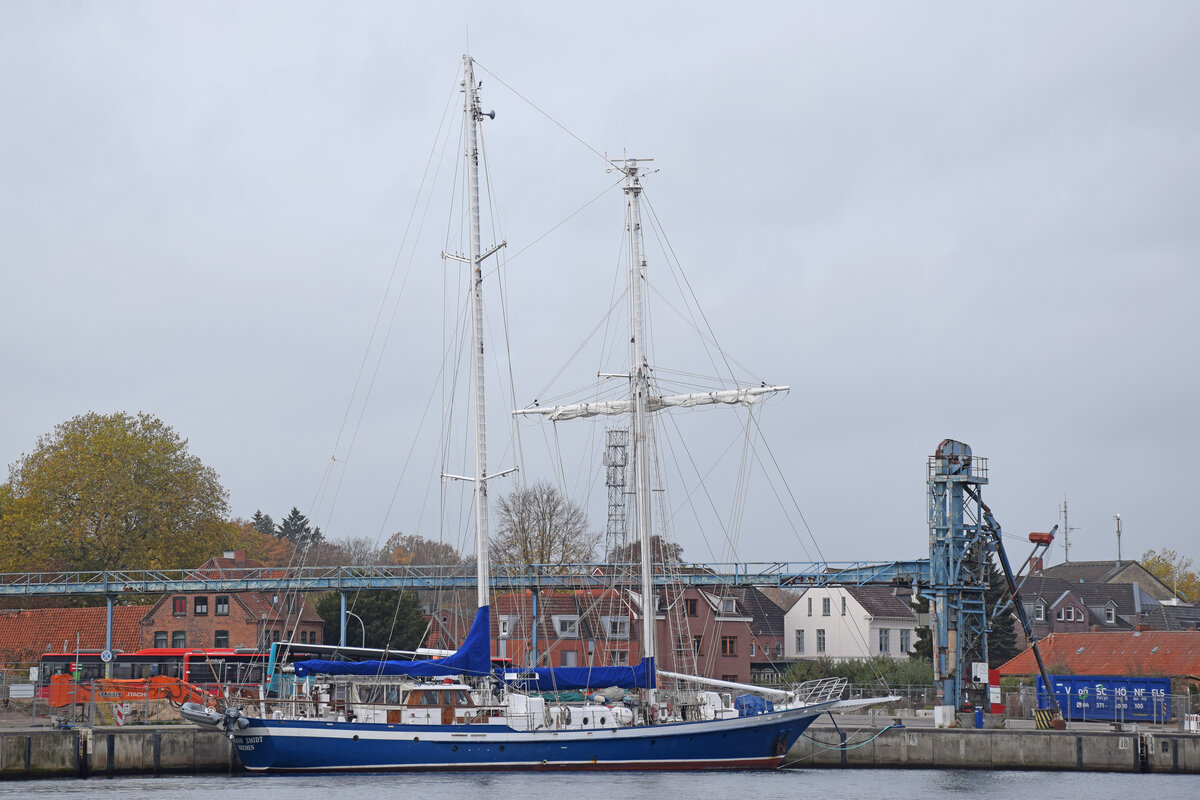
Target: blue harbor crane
column 963, row 537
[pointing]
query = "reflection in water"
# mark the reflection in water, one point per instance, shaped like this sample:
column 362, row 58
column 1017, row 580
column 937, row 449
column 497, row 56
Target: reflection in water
column 810, row 784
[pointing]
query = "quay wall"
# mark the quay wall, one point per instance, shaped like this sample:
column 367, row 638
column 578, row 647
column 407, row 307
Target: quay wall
column 84, row 752
column 941, row 748
column 100, row 752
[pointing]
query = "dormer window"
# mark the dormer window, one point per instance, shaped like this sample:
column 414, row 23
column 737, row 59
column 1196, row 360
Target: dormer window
column 504, row 627
column 1110, row 615
column 618, row 627
column 566, row 626
column 728, row 605
column 1039, row 611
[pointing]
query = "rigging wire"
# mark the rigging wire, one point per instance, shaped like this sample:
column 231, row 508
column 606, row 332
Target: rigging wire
column 538, row 109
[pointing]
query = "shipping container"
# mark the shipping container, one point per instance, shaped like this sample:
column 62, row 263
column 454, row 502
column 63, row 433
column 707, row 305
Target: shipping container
column 1115, row 698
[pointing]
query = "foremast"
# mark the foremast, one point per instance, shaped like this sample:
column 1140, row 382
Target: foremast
column 640, row 385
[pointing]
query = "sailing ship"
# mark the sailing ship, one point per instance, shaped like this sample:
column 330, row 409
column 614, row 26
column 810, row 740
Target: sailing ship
column 461, row 712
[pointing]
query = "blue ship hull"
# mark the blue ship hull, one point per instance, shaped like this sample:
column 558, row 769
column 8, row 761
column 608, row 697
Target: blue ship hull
column 759, row 741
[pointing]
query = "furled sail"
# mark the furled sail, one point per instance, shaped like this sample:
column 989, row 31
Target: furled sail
column 559, row 679
column 473, row 658
column 610, row 407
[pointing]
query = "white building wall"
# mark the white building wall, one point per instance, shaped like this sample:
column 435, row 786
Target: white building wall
column 854, row 634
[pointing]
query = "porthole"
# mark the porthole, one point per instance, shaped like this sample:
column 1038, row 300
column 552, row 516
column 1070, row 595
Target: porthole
column 501, row 748
column 454, row 748
column 355, row 737
column 416, row 738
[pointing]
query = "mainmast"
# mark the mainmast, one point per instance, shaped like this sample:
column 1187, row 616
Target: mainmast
column 642, row 403
column 475, row 257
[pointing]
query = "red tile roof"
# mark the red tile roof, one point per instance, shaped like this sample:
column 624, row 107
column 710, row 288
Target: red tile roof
column 26, row 634
column 1167, row 653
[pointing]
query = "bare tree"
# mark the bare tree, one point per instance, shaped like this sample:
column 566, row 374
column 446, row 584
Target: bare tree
column 355, row 551
column 661, row 552
column 538, row 525
column 412, row 548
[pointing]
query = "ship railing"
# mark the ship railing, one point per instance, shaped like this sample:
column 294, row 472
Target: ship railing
column 821, row 690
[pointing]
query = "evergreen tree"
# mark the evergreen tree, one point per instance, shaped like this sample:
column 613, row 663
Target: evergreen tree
column 295, row 529
column 389, row 619
column 263, row 523
column 923, row 646
column 1002, row 635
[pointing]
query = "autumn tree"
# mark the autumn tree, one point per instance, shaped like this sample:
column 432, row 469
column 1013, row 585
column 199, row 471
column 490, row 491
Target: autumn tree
column 390, row 619
column 112, row 491
column 538, row 525
column 1175, row 571
column 265, row 548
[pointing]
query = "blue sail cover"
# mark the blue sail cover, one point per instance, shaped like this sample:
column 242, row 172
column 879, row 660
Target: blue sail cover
column 473, row 658
column 559, row 679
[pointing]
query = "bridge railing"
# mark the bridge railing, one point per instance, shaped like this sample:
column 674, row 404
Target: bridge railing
column 798, row 575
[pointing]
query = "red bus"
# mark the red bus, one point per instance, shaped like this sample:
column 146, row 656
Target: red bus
column 215, row 670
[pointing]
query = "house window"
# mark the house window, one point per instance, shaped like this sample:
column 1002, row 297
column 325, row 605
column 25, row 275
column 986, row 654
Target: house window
column 1062, row 614
column 1110, row 616
column 810, row 606
column 200, row 608
column 178, row 639
column 618, row 627
column 274, row 636
column 843, row 606
column 290, row 600
column 752, row 643
column 729, row 645
column 221, row 605
column 275, row 599
column 1039, row 611
column 799, row 642
column 825, row 606
column 885, row 640
column 160, row 638
column 503, row 627
column 570, row 658
column 730, row 678
column 681, row 644
column 568, row 626
column 179, row 605
column 779, row 649
column 728, row 605
column 905, row 640
column 697, row 641
column 618, row 658
column 221, row 639
column 820, row 640
column 690, row 606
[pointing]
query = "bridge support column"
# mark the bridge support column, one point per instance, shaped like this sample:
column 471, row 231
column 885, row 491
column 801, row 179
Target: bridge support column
column 342, row 620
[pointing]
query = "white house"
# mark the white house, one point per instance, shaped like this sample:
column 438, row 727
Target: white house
column 841, row 622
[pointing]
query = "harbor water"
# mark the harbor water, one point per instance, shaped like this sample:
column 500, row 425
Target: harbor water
column 861, row 784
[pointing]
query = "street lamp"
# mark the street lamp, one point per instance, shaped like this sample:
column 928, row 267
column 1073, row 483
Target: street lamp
column 363, row 624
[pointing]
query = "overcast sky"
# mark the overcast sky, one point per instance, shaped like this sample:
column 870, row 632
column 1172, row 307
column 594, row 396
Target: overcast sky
column 931, row 220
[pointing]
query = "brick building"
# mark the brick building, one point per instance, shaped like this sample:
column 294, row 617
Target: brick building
column 26, row 634
column 234, row 619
